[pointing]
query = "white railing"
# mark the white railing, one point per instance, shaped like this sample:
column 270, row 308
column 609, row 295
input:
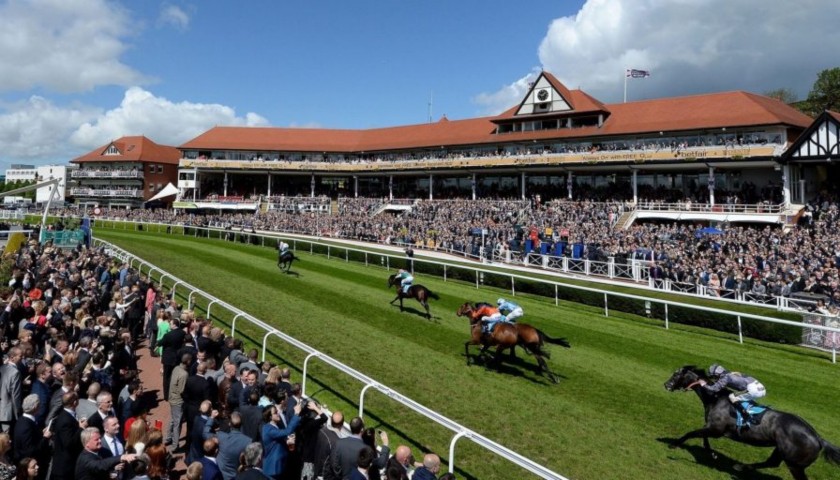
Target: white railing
column 479, row 273
column 12, row 214
column 459, row 430
column 759, row 208
column 84, row 173
column 105, row 192
column 614, row 272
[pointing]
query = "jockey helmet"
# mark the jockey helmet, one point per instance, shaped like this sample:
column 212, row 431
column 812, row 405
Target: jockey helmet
column 500, row 301
column 716, row 370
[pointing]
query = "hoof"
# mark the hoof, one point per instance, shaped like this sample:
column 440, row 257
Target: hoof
column 739, row 467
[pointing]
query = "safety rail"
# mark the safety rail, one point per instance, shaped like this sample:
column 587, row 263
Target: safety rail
column 480, row 272
column 459, row 430
column 615, row 271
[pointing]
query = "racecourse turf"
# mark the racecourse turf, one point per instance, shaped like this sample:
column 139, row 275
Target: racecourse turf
column 608, row 418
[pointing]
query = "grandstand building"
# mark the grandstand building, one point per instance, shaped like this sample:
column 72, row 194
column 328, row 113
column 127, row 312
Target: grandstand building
column 556, row 142
column 123, row 173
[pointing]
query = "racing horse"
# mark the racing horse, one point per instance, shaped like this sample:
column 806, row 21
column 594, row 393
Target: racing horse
column 285, row 259
column 508, row 336
column 421, row 293
column 795, row 442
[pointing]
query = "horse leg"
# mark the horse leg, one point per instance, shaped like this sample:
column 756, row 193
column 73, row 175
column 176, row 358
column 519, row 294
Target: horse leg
column 543, row 365
column 774, row 460
column 395, row 299
column 467, row 351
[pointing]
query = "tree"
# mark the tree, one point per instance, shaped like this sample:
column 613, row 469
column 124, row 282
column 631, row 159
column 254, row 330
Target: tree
column 784, row 95
column 825, row 94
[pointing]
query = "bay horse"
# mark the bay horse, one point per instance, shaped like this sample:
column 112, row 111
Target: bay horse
column 795, row 442
column 285, row 259
column 417, row 291
column 508, row 336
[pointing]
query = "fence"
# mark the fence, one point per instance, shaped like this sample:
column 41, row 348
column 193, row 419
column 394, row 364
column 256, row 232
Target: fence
column 311, row 353
column 624, row 270
column 480, row 275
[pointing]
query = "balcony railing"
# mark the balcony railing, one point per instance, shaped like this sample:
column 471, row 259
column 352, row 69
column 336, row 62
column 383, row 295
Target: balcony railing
column 107, row 174
column 107, row 192
column 760, row 208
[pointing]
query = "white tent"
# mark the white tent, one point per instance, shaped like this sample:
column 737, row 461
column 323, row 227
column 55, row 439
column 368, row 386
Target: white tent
column 167, row 191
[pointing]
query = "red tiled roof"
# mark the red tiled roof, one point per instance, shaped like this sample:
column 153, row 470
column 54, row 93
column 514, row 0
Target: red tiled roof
column 133, row 149
column 698, row 112
column 835, row 115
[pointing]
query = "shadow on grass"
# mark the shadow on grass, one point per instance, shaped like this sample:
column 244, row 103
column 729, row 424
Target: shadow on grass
column 722, row 463
column 513, row 366
column 419, row 313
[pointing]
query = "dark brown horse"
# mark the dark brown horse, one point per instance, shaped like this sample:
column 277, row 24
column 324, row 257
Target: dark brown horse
column 421, row 293
column 795, row 442
column 508, row 336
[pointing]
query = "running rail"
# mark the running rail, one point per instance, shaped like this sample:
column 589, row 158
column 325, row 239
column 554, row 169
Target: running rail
column 480, row 272
column 459, row 430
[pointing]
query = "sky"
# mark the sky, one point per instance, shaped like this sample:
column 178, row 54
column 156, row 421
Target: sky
column 77, row 74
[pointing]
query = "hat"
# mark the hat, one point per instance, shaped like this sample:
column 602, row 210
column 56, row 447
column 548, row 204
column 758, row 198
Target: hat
column 35, row 294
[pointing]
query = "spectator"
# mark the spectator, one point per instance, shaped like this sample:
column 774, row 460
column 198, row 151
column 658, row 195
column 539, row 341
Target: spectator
column 275, row 439
column 8, row 470
column 28, row 469
column 231, row 444
column 430, row 468
column 90, row 465
column 252, row 461
column 208, row 460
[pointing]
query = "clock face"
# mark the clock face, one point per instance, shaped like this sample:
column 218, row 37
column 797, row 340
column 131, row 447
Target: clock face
column 542, row 95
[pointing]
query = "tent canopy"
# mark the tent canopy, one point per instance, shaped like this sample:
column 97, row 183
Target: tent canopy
column 167, row 191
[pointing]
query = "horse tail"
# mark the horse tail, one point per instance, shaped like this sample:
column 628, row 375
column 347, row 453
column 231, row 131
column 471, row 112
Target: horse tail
column 555, row 341
column 831, row 452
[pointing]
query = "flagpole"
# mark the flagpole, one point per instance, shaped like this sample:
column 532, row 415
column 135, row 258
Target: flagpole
column 625, row 86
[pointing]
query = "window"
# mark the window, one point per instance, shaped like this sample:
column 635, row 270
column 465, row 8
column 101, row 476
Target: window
column 151, row 168
column 112, row 150
column 160, row 168
column 151, row 187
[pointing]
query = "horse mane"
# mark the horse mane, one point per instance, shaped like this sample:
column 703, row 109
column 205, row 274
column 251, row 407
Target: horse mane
column 700, row 372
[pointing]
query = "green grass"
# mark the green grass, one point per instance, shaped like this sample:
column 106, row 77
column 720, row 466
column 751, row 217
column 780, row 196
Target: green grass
column 602, row 421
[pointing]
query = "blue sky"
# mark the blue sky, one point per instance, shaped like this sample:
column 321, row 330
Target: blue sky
column 79, row 73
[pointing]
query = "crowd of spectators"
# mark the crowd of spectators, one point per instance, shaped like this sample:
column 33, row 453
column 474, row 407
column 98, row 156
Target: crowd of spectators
column 762, row 261
column 71, row 325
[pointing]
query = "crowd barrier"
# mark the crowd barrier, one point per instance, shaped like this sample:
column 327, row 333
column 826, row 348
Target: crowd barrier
column 311, row 353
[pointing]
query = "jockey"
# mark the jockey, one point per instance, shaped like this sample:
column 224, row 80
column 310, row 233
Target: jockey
column 489, row 321
column 746, row 388
column 510, row 310
column 282, row 247
column 406, row 279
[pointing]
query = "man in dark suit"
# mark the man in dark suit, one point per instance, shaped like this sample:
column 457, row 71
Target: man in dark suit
column 90, row 465
column 66, row 435
column 104, row 409
column 40, row 388
column 345, row 455
column 197, row 389
column 83, row 355
column 123, row 362
column 210, row 470
column 252, row 416
column 28, row 438
column 68, row 384
column 170, row 344
column 235, row 394
column 195, row 445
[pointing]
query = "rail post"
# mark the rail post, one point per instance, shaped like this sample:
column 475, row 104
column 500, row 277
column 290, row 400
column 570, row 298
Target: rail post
column 362, row 399
column 455, row 438
column 305, row 367
column 740, row 332
column 606, row 307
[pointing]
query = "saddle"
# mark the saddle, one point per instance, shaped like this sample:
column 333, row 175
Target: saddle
column 754, row 411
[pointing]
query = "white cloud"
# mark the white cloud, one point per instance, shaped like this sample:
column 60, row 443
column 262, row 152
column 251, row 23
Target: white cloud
column 64, row 45
column 174, row 16
column 163, row 121
column 691, row 46
column 36, row 129
column 506, row 97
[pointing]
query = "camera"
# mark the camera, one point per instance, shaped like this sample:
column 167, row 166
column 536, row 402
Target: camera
column 304, row 404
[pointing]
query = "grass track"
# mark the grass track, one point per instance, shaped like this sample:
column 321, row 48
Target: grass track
column 601, row 422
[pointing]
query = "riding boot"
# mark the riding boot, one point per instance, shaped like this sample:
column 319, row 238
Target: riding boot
column 745, row 416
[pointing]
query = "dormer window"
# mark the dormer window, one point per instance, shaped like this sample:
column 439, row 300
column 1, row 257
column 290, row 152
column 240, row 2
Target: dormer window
column 112, row 150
